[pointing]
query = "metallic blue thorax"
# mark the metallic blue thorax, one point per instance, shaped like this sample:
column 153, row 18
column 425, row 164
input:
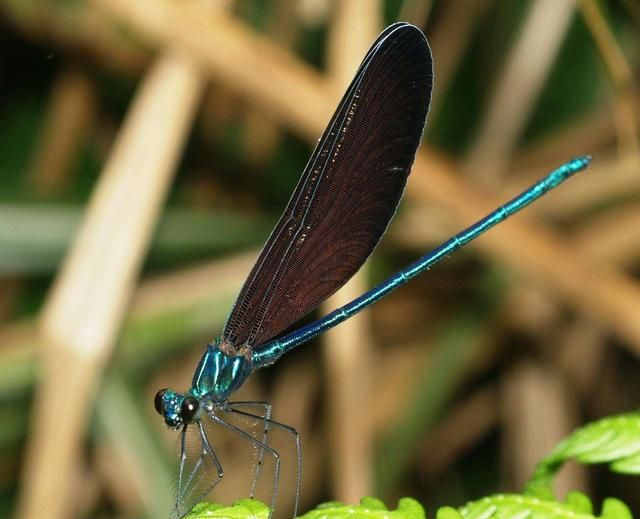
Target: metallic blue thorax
column 219, row 373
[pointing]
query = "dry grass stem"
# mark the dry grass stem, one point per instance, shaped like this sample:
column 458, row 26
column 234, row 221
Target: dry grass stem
column 592, row 132
column 9, row 292
column 188, row 286
column 400, row 373
column 262, row 135
column 51, row 21
column 174, row 292
column 416, row 11
column 84, row 310
column 115, row 472
column 626, row 109
column 537, row 413
column 294, row 402
column 513, row 99
column 612, row 238
column 251, row 65
column 633, row 8
column 460, row 430
column 607, row 296
column 582, row 340
column 449, row 42
column 347, row 349
column 70, row 115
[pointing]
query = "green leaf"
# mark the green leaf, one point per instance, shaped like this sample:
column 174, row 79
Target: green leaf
column 615, row 509
column 369, row 508
column 500, row 506
column 241, row 509
column 516, row 506
column 614, row 440
column 447, row 512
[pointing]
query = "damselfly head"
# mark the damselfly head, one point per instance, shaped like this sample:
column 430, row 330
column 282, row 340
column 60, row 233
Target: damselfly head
column 176, row 409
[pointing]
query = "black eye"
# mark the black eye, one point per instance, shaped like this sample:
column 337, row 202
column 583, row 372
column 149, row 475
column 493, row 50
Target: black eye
column 189, row 409
column 157, row 401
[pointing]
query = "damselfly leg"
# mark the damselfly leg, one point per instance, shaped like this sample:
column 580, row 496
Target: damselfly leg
column 200, row 470
column 263, row 413
column 237, row 408
column 261, row 446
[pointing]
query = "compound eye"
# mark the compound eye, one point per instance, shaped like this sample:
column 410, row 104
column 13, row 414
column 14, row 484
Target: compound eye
column 189, row 409
column 158, row 401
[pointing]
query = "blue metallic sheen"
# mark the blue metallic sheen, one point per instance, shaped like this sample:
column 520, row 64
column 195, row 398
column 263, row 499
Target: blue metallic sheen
column 271, row 351
column 171, row 403
column 219, row 373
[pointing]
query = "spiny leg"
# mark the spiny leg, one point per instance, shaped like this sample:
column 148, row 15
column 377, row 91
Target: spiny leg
column 206, row 449
column 212, row 453
column 266, row 418
column 194, row 470
column 296, row 435
column 183, row 460
column 185, row 483
column 259, row 444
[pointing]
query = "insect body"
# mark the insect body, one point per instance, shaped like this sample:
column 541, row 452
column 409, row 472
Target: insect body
column 338, row 212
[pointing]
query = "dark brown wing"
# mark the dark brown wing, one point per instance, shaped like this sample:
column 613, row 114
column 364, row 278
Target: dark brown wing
column 348, row 191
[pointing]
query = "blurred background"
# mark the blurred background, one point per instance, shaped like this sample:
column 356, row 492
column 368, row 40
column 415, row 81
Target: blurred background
column 146, row 149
